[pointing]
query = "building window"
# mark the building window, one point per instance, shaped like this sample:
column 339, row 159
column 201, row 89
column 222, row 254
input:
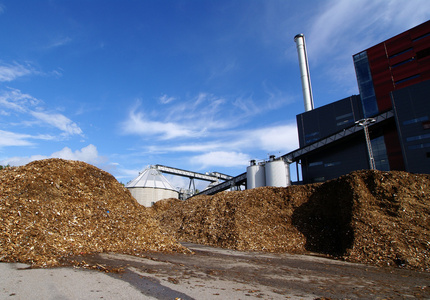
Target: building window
column 418, row 137
column 344, row 122
column 407, row 79
column 416, row 120
column 318, row 179
column 344, row 116
column 421, row 37
column 317, row 163
column 400, row 53
column 365, row 84
column 347, row 117
column 423, row 53
column 419, row 146
column 402, row 63
column 380, row 154
column 312, row 137
column 332, row 164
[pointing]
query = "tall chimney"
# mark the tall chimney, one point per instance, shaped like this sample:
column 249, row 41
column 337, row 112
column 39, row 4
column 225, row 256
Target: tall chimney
column 304, row 72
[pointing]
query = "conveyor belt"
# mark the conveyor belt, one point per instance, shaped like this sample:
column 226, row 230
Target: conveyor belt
column 297, row 154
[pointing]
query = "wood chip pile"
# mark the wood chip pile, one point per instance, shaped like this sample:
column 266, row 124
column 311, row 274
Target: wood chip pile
column 52, row 209
column 373, row 217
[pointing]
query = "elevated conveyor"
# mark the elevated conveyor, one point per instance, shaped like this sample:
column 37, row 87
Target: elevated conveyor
column 295, row 155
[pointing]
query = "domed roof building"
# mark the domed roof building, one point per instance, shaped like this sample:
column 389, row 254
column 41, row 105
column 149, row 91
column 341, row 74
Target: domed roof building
column 151, row 186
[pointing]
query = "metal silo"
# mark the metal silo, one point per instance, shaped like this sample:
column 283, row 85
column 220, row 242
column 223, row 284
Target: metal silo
column 277, row 173
column 255, row 176
column 151, row 186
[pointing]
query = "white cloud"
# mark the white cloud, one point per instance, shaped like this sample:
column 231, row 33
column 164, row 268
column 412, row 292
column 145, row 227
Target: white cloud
column 139, row 125
column 58, row 121
column 164, row 99
column 11, row 72
column 272, row 139
column 24, row 105
column 15, row 100
column 14, row 139
column 221, row 159
column 281, row 138
column 59, row 42
column 347, row 27
column 8, row 138
column 88, row 154
column 202, row 116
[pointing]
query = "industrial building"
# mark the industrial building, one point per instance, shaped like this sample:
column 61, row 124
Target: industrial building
column 394, row 81
column 386, row 127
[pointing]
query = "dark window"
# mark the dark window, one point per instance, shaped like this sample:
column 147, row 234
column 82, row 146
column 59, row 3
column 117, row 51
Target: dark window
column 428, row 154
column 332, row 164
column 400, row 53
column 416, row 120
column 402, row 63
column 418, row 137
column 317, row 163
column 407, row 79
column 426, row 125
column 421, row 37
column 423, row 53
column 419, row 146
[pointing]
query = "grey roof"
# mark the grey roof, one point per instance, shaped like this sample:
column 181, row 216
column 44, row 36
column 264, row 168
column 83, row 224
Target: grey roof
column 150, row 178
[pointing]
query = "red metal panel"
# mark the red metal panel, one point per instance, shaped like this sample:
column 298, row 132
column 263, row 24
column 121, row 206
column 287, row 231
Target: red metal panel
column 420, row 30
column 398, row 44
column 426, row 74
column 402, row 57
column 394, row 150
column 406, row 70
column 422, row 44
column 376, row 53
column 408, row 82
column 424, row 66
column 384, row 102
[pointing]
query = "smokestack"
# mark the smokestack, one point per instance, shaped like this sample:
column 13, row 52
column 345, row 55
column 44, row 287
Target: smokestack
column 304, row 72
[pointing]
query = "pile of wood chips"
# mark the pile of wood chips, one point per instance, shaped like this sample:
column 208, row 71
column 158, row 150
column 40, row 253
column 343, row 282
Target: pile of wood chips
column 52, row 209
column 373, row 217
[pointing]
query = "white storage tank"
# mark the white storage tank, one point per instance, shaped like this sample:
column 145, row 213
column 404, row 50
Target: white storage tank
column 277, row 173
column 151, row 186
column 255, row 176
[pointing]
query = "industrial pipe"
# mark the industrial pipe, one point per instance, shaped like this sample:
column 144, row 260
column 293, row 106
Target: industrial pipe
column 304, row 72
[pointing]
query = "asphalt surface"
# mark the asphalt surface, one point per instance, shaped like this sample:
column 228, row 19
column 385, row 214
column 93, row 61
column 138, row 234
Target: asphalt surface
column 213, row 273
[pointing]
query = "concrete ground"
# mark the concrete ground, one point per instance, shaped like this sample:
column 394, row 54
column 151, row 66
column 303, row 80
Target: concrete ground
column 213, row 273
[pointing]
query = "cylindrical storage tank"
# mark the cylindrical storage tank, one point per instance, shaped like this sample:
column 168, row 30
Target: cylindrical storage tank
column 148, row 196
column 151, row 186
column 276, row 173
column 255, row 176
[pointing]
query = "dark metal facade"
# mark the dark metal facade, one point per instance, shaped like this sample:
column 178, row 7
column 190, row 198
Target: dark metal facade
column 324, row 121
column 412, row 112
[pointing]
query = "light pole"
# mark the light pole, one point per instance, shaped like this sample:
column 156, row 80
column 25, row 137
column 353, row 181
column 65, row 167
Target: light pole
column 365, row 123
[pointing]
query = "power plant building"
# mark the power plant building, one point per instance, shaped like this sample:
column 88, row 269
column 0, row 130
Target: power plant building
column 394, row 83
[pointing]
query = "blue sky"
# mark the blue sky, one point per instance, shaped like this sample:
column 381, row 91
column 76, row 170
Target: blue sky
column 197, row 85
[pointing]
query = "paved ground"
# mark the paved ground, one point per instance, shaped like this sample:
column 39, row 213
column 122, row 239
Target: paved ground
column 213, row 273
